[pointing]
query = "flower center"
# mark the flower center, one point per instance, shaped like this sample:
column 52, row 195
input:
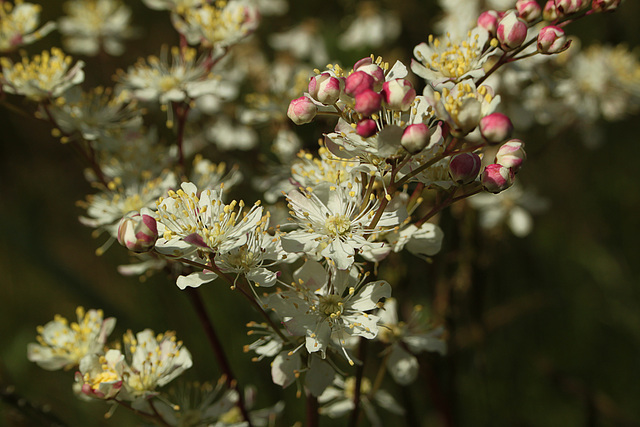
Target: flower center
column 331, row 305
column 337, row 225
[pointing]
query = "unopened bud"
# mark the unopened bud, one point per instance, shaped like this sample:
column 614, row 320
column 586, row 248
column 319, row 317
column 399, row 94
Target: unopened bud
column 138, row 232
column 368, row 66
column 567, row 7
column 368, row 102
column 366, row 128
column 511, row 32
column 529, row 10
column 302, row 110
column 357, row 82
column 511, row 154
column 496, row 178
column 496, row 128
column 489, row 21
column 325, row 88
column 605, row 5
column 415, row 137
column 552, row 40
column 398, row 94
column 550, row 11
column 464, row 168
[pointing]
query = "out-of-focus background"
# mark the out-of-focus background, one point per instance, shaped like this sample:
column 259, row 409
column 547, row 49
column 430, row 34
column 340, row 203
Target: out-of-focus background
column 545, row 328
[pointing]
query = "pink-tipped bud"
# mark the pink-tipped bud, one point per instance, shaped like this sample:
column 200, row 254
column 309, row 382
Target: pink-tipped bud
column 368, row 66
column 496, row 128
column 138, row 232
column 398, row 94
column 357, row 82
column 605, row 5
column 325, row 88
column 511, row 154
column 415, row 137
column 368, row 102
column 552, row 40
column 529, row 10
column 567, row 7
column 550, row 11
column 489, row 21
column 366, row 128
column 302, row 110
column 464, row 168
column 511, row 32
column 496, row 178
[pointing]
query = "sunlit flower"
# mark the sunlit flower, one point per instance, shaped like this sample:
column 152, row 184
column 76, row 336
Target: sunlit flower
column 44, row 76
column 201, row 220
column 447, row 60
column 334, row 222
column 62, row 344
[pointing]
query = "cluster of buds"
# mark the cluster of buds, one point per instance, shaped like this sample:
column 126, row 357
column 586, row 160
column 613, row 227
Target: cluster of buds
column 499, row 175
column 363, row 92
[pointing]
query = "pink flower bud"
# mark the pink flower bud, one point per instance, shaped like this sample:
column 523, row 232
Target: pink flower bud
column 464, row 168
column 325, row 88
column 302, row 110
column 605, row 5
column 496, row 178
column 529, row 10
column 567, row 7
column 138, row 232
column 357, row 82
column 489, row 21
column 366, row 128
column 511, row 154
column 398, row 94
column 550, row 12
column 368, row 66
column 552, row 40
column 496, row 128
column 368, row 102
column 415, row 137
column 511, row 32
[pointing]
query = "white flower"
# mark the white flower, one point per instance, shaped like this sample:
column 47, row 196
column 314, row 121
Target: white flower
column 92, row 24
column 371, row 28
column 63, row 345
column 106, row 209
column 44, row 76
column 96, row 115
column 182, row 78
column 323, row 310
column 334, row 222
column 302, row 42
column 463, row 106
column 228, row 136
column 337, row 400
column 18, row 25
column 219, row 25
column 449, row 60
column 406, row 339
column 195, row 220
column 510, row 207
column 149, row 361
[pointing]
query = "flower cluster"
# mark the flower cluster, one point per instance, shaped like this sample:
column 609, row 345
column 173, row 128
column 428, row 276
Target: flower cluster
column 309, row 250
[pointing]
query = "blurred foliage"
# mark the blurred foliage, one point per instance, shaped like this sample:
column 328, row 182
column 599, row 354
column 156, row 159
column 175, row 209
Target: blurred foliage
column 544, row 330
